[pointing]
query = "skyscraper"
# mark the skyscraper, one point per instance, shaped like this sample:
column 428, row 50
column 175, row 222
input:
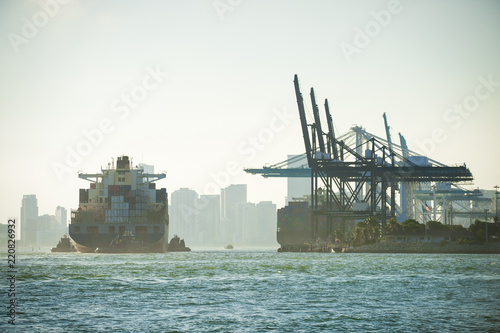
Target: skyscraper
column 266, row 223
column 183, row 213
column 62, row 217
column 29, row 220
column 209, row 220
column 246, row 218
column 231, row 197
column 47, row 233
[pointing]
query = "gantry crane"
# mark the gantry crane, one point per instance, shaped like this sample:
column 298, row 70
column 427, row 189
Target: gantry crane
column 344, row 171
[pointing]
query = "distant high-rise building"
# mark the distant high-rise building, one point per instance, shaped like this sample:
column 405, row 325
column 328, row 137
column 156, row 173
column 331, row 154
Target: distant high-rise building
column 29, row 220
column 246, row 218
column 266, row 223
column 231, row 197
column 62, row 217
column 183, row 213
column 297, row 187
column 256, row 224
column 48, row 232
column 46, row 222
column 209, row 220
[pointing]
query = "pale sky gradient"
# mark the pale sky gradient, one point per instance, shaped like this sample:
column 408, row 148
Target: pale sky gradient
column 226, row 79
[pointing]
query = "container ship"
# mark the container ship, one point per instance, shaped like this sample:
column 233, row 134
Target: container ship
column 295, row 229
column 122, row 211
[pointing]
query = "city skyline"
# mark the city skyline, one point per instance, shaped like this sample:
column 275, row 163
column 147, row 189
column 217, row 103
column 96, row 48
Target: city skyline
column 222, row 219
column 202, row 92
column 40, row 229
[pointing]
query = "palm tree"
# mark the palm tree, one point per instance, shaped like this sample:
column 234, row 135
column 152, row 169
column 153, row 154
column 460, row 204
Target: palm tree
column 393, row 227
column 367, row 231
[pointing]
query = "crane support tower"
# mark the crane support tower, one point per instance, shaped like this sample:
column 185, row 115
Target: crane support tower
column 351, row 182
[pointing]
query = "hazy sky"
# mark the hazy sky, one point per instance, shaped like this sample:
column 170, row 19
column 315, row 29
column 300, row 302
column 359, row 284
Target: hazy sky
column 227, row 102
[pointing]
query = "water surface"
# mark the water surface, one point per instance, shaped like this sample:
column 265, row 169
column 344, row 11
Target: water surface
column 257, row 291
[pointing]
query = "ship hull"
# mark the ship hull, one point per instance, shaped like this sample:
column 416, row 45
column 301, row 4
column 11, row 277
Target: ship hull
column 153, row 238
column 295, row 232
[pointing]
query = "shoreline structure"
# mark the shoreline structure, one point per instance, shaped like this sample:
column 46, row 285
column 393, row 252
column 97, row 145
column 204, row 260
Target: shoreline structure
column 428, row 247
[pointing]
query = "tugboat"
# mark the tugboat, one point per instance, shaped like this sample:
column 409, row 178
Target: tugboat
column 177, row 245
column 228, row 247
column 64, row 245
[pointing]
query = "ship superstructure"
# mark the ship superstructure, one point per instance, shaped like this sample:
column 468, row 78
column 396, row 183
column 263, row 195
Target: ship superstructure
column 122, row 211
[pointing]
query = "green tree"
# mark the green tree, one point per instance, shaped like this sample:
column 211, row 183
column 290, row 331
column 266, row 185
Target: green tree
column 393, row 227
column 412, row 227
column 339, row 235
column 478, row 228
column 436, row 226
column 367, row 232
column 457, row 228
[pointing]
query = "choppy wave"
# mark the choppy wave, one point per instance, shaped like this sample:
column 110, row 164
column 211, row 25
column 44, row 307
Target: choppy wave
column 258, row 291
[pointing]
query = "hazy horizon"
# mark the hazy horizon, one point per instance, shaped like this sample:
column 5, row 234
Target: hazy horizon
column 202, row 88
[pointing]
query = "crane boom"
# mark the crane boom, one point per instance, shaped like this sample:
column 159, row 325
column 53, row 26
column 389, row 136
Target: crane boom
column 317, row 122
column 388, row 133
column 404, row 146
column 303, row 120
column 331, row 131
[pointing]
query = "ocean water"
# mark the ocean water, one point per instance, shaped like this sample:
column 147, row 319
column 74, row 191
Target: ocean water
column 256, row 291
